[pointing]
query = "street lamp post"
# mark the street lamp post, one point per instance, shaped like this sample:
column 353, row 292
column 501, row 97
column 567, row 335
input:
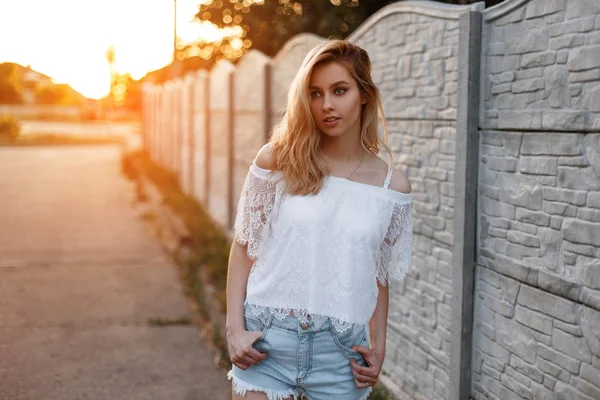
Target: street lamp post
column 172, row 68
column 174, row 30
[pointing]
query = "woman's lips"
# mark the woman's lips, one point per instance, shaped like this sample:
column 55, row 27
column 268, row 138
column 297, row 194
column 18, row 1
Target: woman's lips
column 331, row 123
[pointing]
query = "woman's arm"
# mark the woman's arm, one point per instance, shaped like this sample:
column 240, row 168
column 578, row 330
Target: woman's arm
column 238, row 271
column 239, row 340
column 374, row 356
column 378, row 322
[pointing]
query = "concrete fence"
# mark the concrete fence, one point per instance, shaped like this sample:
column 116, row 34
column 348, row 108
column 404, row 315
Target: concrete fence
column 494, row 114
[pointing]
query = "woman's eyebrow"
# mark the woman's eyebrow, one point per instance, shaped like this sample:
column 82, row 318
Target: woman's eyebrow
column 332, row 85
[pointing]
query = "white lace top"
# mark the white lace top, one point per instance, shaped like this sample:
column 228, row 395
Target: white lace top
column 320, row 256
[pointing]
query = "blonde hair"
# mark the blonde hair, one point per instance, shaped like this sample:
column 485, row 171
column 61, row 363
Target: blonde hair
column 295, row 144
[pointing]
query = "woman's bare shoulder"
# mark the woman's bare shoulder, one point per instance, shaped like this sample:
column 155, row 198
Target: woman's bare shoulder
column 400, row 182
column 264, row 158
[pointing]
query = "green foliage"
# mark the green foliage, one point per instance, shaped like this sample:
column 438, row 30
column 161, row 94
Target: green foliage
column 270, row 23
column 378, row 393
column 9, row 127
column 160, row 321
column 10, row 84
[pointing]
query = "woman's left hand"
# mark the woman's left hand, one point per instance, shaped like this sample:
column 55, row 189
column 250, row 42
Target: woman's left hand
column 369, row 375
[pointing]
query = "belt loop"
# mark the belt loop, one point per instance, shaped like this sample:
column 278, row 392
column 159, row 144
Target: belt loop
column 269, row 320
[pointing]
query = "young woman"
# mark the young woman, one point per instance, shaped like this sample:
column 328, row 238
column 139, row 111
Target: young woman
column 322, row 224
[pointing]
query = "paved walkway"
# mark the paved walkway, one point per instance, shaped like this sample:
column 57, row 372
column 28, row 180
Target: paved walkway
column 79, row 277
column 94, row 128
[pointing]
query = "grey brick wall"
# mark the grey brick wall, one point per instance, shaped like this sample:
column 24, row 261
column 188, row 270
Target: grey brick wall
column 542, row 65
column 414, row 51
column 538, row 284
column 529, row 343
column 537, row 298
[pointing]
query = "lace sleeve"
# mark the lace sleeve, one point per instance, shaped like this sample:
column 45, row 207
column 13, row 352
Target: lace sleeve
column 254, row 210
column 395, row 252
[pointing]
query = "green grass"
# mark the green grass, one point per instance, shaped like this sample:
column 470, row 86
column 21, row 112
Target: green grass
column 378, row 393
column 159, row 321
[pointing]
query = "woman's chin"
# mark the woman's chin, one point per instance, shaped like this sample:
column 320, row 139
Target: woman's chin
column 332, row 132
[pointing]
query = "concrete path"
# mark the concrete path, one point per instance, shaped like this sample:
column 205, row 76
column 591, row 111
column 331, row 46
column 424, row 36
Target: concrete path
column 93, row 128
column 79, row 277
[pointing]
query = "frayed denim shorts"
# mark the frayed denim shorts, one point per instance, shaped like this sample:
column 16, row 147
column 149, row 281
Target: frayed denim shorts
column 303, row 359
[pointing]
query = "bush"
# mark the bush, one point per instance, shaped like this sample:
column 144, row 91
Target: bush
column 9, row 127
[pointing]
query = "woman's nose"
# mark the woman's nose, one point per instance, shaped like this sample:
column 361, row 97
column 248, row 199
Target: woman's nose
column 327, row 103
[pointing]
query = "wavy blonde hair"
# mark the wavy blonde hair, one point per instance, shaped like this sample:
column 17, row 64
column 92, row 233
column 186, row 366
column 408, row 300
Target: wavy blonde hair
column 296, row 141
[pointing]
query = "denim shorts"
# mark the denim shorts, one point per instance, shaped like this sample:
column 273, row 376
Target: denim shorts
column 303, row 359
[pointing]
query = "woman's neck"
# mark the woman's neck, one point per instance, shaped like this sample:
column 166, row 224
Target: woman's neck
column 341, row 150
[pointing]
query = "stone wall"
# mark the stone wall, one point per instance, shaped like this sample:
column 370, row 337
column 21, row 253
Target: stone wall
column 537, row 304
column 414, row 52
column 542, row 66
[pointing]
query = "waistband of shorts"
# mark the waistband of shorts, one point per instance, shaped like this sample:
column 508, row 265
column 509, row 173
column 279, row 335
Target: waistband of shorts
column 289, row 322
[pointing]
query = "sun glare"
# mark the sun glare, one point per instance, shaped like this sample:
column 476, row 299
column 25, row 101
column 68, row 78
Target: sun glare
column 68, row 39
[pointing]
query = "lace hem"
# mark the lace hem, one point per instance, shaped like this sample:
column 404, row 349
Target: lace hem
column 340, row 326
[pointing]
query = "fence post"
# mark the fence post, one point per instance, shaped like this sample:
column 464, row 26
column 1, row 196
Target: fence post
column 191, row 133
column 230, row 150
column 465, row 205
column 268, row 115
column 207, row 141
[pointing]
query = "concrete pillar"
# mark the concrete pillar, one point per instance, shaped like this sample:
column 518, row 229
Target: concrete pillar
column 465, row 205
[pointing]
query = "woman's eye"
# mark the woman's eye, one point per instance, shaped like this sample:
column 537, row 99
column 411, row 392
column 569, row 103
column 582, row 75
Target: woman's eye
column 314, row 94
column 340, row 91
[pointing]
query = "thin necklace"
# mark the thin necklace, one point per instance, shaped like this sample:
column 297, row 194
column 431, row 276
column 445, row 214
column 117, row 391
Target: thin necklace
column 361, row 160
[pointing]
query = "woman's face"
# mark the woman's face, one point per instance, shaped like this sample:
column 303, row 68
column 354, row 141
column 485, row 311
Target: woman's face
column 335, row 100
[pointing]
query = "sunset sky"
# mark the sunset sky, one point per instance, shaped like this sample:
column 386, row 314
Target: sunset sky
column 67, row 39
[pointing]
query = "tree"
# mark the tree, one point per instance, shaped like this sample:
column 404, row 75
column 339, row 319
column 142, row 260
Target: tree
column 268, row 24
column 10, row 84
column 127, row 92
column 57, row 94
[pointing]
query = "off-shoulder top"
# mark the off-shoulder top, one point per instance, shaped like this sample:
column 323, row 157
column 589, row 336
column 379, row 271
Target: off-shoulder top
column 320, row 256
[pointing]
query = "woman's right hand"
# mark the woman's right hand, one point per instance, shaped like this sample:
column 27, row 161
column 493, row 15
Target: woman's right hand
column 241, row 352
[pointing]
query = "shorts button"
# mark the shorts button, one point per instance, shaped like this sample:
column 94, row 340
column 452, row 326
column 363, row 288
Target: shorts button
column 304, row 326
